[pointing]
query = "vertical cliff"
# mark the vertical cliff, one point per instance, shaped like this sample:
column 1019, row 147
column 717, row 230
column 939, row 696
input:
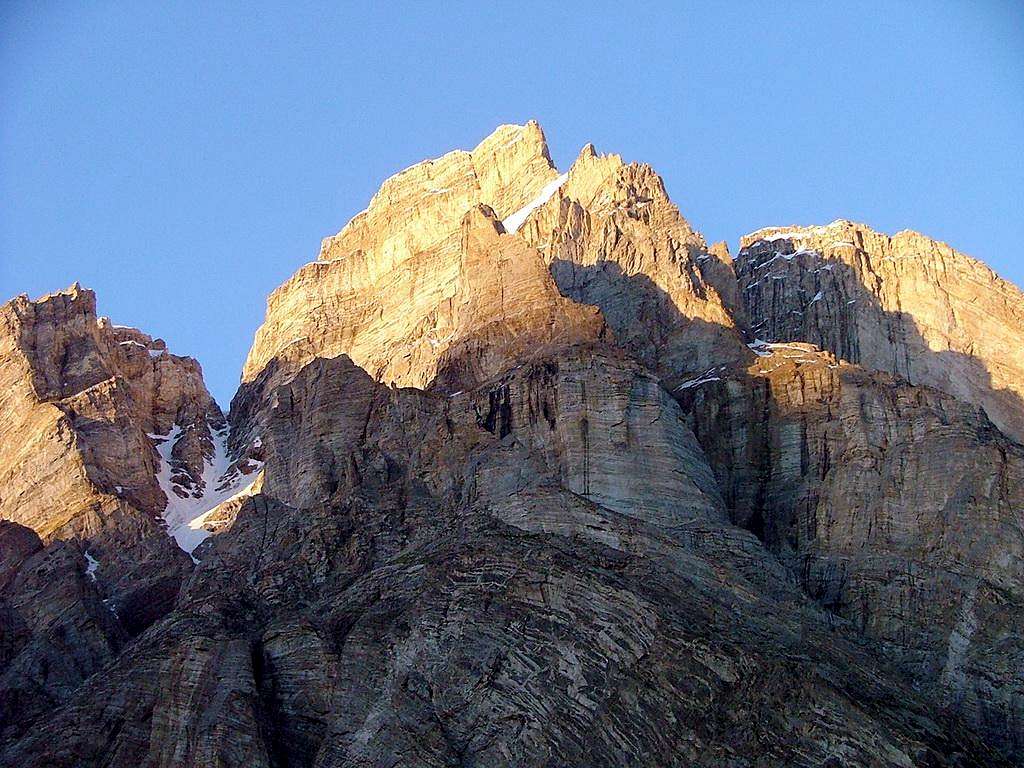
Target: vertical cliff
column 906, row 304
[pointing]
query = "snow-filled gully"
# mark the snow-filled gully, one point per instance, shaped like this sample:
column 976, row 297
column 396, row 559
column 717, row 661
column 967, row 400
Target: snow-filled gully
column 185, row 516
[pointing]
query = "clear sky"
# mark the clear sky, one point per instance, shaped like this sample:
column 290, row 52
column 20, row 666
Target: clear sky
column 183, row 159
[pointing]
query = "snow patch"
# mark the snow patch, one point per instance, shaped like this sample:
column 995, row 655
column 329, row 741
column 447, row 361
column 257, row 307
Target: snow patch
column 91, row 565
column 704, row 378
column 764, row 348
column 817, row 297
column 132, row 343
column 515, row 221
column 438, row 342
column 186, row 514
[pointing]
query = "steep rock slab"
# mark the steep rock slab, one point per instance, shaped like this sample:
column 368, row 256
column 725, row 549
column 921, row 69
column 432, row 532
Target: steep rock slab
column 905, row 304
column 588, row 420
column 897, row 507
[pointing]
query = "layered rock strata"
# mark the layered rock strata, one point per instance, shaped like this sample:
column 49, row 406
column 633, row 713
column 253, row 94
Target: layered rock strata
column 907, row 305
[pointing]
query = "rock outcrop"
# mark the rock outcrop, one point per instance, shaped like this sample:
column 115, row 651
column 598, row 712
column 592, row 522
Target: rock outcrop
column 385, row 290
column 86, row 408
column 615, row 240
column 897, row 508
column 78, row 398
column 57, row 631
column 905, row 304
column 522, row 472
column 480, row 602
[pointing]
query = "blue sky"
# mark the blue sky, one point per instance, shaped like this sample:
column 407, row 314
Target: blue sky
column 183, row 159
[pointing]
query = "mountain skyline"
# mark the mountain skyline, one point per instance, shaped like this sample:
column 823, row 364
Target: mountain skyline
column 576, row 385
column 168, row 158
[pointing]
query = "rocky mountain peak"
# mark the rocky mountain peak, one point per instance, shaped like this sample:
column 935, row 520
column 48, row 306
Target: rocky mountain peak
column 520, row 472
column 419, row 206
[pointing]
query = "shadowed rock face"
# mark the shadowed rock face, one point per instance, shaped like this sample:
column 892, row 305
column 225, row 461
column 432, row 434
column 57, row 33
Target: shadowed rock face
column 56, row 630
column 436, row 606
column 529, row 498
column 897, row 508
column 906, row 305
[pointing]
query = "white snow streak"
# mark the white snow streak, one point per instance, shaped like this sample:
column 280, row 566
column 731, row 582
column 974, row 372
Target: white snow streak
column 704, row 378
column 515, row 220
column 92, row 565
column 185, row 515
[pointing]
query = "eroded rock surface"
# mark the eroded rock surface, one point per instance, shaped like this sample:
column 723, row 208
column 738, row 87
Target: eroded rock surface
column 898, row 508
column 82, row 406
column 478, row 602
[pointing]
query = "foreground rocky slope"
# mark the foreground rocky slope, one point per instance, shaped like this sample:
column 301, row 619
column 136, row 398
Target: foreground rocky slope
column 545, row 480
column 436, row 608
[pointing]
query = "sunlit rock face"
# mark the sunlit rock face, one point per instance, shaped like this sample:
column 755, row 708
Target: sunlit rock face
column 393, row 289
column 386, row 289
column 906, row 304
column 82, row 402
column 79, row 398
column 523, row 472
column 615, row 240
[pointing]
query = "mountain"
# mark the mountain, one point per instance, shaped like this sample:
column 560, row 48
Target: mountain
column 521, row 471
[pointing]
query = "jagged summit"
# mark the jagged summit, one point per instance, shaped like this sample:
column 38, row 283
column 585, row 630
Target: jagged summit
column 505, row 171
column 393, row 272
